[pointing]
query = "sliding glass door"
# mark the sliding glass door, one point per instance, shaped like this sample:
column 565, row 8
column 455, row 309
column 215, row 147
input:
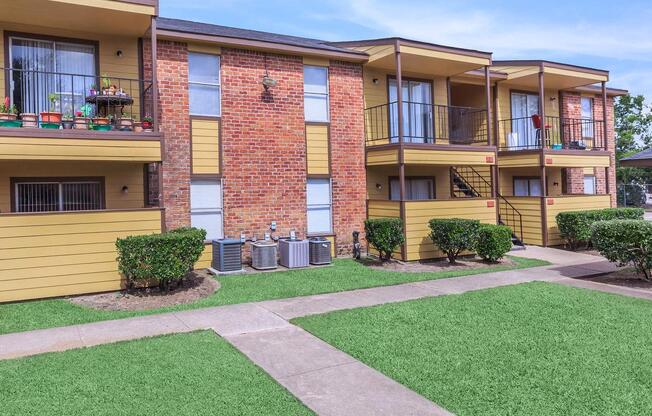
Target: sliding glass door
column 43, row 67
column 524, row 106
column 417, row 111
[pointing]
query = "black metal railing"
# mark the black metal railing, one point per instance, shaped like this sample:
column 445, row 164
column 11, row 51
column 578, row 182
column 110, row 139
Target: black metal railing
column 466, row 182
column 555, row 133
column 512, row 217
column 426, row 123
column 43, row 99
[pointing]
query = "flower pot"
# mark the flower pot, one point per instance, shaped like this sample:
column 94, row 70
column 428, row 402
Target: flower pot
column 50, row 117
column 50, row 125
column 101, row 121
column 138, row 127
column 67, row 124
column 93, row 92
column 102, row 127
column 125, row 124
column 81, row 123
column 10, row 123
column 8, row 116
column 147, row 126
column 30, row 120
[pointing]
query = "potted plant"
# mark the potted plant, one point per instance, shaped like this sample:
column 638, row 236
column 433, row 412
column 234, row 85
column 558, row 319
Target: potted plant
column 29, row 120
column 83, row 117
column 125, row 124
column 138, row 127
column 93, row 90
column 67, row 121
column 51, row 119
column 102, row 123
column 106, row 84
column 147, row 124
column 8, row 114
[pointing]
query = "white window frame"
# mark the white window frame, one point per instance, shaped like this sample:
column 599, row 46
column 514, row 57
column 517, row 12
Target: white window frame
column 321, row 206
column 326, row 94
column 595, row 185
column 214, row 210
column 218, row 85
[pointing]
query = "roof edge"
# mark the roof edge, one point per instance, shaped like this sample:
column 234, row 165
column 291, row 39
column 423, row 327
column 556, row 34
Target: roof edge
column 412, row 42
column 550, row 64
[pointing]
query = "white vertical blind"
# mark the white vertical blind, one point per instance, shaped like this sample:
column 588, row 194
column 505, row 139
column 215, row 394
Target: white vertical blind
column 315, row 90
column 204, row 84
column 587, row 117
column 206, row 207
column 527, row 187
column 416, row 189
column 589, row 184
column 318, row 198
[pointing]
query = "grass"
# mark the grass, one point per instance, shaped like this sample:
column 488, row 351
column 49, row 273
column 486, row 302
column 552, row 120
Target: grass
column 187, row 374
column 342, row 275
column 533, row 349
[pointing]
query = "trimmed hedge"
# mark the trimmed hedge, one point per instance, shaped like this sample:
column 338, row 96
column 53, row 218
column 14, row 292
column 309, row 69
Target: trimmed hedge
column 575, row 226
column 494, row 241
column 454, row 235
column 625, row 242
column 385, row 235
column 162, row 257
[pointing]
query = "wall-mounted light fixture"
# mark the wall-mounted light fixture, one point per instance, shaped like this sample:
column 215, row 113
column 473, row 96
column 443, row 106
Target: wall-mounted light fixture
column 555, row 184
column 268, row 82
column 118, row 53
column 379, row 187
column 125, row 189
column 376, row 81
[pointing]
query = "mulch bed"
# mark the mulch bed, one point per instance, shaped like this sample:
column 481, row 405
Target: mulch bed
column 626, row 277
column 432, row 265
column 197, row 285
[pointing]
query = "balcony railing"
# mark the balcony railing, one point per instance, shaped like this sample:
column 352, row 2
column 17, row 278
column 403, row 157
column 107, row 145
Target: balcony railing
column 55, row 100
column 557, row 133
column 426, row 123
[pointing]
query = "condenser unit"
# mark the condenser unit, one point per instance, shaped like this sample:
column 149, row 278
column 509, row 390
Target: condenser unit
column 293, row 253
column 263, row 255
column 320, row 250
column 227, row 255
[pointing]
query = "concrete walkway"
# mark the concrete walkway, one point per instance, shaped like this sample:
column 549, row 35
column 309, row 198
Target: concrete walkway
column 325, row 379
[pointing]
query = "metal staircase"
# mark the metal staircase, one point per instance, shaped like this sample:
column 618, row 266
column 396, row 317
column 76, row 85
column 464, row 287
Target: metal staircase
column 466, row 182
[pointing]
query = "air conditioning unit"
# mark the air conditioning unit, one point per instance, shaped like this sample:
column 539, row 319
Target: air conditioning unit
column 227, row 255
column 263, row 255
column 293, row 253
column 320, row 250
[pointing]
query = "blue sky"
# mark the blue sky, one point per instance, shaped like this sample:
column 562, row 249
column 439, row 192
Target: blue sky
column 616, row 36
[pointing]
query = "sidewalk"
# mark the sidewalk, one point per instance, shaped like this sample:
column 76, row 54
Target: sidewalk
column 325, row 379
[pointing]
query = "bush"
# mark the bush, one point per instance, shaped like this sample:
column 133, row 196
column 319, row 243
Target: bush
column 575, row 226
column 494, row 241
column 454, row 235
column 385, row 235
column 161, row 257
column 625, row 242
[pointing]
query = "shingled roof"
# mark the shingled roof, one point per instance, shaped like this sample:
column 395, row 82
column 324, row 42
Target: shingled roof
column 640, row 159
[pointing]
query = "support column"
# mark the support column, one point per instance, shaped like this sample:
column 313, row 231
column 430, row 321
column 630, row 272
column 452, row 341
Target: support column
column 401, row 158
column 542, row 108
column 487, row 87
column 153, row 38
column 605, row 129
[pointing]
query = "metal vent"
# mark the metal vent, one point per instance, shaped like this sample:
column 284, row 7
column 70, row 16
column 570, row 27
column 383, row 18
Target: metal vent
column 293, row 253
column 227, row 255
column 320, row 251
column 263, row 255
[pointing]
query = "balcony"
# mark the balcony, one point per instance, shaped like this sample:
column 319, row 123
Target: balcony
column 65, row 116
column 557, row 133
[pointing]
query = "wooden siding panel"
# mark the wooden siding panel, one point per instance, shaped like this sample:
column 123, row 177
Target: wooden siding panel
column 205, row 146
column 530, row 209
column 419, row 213
column 59, row 254
column 577, row 161
column 448, row 157
column 382, row 157
column 570, row 203
column 206, row 258
column 317, row 149
column 519, row 160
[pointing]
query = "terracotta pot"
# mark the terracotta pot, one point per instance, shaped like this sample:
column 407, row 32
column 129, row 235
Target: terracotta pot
column 8, row 116
column 30, row 120
column 125, row 124
column 101, row 121
column 138, row 127
column 81, row 123
column 50, row 117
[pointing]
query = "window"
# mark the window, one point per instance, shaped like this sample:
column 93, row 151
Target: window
column 70, row 195
column 206, row 206
column 318, row 196
column 587, row 117
column 204, row 84
column 589, row 184
column 527, row 187
column 315, row 93
column 416, row 111
column 416, row 189
column 37, row 67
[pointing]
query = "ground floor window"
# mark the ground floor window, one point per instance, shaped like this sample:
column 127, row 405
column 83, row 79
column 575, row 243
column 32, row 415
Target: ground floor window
column 43, row 195
column 527, row 187
column 589, row 184
column 318, row 199
column 416, row 189
column 206, row 206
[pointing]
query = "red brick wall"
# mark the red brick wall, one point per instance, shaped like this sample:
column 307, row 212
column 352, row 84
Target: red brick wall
column 572, row 108
column 347, row 152
column 611, row 143
column 263, row 144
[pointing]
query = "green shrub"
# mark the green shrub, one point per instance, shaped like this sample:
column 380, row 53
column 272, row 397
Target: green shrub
column 454, row 235
column 494, row 241
column 385, row 235
column 575, row 226
column 625, row 242
column 161, row 257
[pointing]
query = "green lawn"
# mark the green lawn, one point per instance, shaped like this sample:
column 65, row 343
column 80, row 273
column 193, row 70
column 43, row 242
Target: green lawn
column 343, row 275
column 186, row 374
column 531, row 349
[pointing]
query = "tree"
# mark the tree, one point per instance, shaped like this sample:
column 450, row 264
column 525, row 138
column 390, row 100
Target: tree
column 633, row 127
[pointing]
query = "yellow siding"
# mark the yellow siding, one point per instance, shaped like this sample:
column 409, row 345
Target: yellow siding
column 382, row 157
column 317, row 149
column 205, row 48
column 384, row 209
column 205, row 146
column 576, row 161
column 448, row 157
column 309, row 60
column 206, row 257
column 57, row 254
column 530, row 210
column 419, row 213
column 115, row 177
column 570, row 203
column 105, row 149
column 519, row 160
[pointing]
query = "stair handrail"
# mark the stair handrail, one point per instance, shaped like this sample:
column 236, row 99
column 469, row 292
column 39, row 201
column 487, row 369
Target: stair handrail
column 475, row 191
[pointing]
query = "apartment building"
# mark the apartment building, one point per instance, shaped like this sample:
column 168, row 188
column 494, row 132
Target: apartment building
column 129, row 123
